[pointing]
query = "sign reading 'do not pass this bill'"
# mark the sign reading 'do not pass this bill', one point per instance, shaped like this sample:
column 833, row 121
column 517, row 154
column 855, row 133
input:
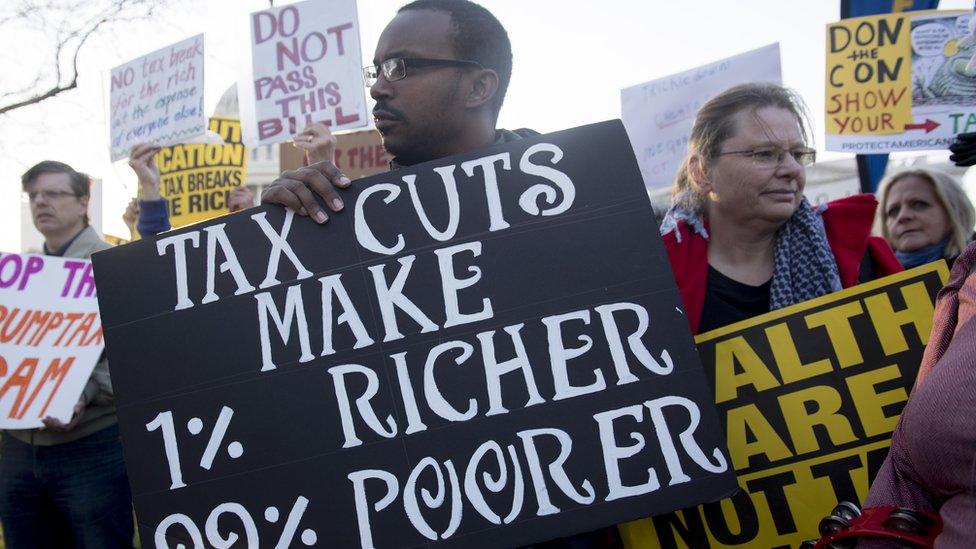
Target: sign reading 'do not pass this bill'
column 469, row 365
column 158, row 98
column 50, row 337
column 809, row 396
column 307, row 68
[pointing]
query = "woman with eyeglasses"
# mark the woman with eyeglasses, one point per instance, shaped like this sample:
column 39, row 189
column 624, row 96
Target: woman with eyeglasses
column 925, row 216
column 741, row 237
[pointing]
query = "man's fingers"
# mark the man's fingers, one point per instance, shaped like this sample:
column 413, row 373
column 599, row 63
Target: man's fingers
column 295, row 196
column 276, row 193
column 309, row 204
column 323, row 176
column 330, row 171
column 296, row 189
column 321, row 184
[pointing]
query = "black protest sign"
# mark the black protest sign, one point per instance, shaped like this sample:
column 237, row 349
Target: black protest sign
column 809, row 396
column 484, row 350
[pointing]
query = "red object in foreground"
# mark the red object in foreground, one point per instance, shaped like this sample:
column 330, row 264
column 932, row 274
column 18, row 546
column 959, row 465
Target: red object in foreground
column 847, row 525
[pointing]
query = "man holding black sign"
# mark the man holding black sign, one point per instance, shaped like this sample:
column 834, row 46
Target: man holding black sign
column 424, row 381
column 442, row 70
column 423, row 111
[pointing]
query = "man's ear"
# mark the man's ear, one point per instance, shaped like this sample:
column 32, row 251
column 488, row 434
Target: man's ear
column 483, row 87
column 698, row 174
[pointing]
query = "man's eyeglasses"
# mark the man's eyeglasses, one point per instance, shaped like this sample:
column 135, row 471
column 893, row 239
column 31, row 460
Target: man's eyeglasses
column 770, row 157
column 48, row 195
column 396, row 68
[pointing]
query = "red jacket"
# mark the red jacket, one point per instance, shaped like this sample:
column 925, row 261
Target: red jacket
column 848, row 224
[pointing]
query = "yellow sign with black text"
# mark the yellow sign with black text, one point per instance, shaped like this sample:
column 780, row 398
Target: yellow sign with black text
column 229, row 129
column 196, row 178
column 869, row 75
column 809, row 396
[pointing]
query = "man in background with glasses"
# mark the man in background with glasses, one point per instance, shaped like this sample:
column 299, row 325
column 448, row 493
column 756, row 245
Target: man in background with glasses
column 65, row 485
column 439, row 77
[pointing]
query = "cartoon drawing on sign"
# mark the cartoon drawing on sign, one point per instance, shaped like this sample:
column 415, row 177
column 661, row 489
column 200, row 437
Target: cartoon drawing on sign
column 939, row 61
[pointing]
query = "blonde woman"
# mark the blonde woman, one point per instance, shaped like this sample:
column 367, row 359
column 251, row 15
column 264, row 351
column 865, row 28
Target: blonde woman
column 925, row 216
column 741, row 238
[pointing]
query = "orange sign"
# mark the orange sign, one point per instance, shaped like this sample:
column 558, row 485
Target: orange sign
column 357, row 154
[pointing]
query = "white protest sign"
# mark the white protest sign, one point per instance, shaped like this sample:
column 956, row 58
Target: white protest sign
column 158, row 98
column 50, row 337
column 658, row 114
column 307, row 67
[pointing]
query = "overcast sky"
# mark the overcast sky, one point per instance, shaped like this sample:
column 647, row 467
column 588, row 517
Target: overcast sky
column 572, row 57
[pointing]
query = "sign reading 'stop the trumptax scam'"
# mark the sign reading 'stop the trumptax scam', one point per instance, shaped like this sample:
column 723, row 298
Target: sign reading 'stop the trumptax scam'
column 483, row 350
column 50, row 337
column 809, row 396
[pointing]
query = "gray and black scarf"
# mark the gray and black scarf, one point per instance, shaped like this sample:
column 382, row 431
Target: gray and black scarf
column 804, row 266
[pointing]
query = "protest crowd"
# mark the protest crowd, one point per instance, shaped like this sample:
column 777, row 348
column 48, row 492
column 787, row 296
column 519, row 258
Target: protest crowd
column 741, row 240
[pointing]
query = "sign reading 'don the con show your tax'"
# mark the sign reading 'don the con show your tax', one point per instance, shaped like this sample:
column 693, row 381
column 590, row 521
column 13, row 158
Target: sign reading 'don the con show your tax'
column 50, row 337
column 307, row 67
column 899, row 82
column 158, row 98
column 809, row 396
column 456, row 359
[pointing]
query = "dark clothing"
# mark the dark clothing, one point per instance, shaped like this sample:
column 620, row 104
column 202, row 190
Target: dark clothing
column 501, row 136
column 507, row 136
column 67, row 495
column 64, row 247
column 153, row 217
column 847, row 223
column 728, row 301
column 932, row 460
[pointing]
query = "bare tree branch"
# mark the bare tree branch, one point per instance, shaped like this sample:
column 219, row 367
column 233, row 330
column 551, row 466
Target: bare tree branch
column 71, row 31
